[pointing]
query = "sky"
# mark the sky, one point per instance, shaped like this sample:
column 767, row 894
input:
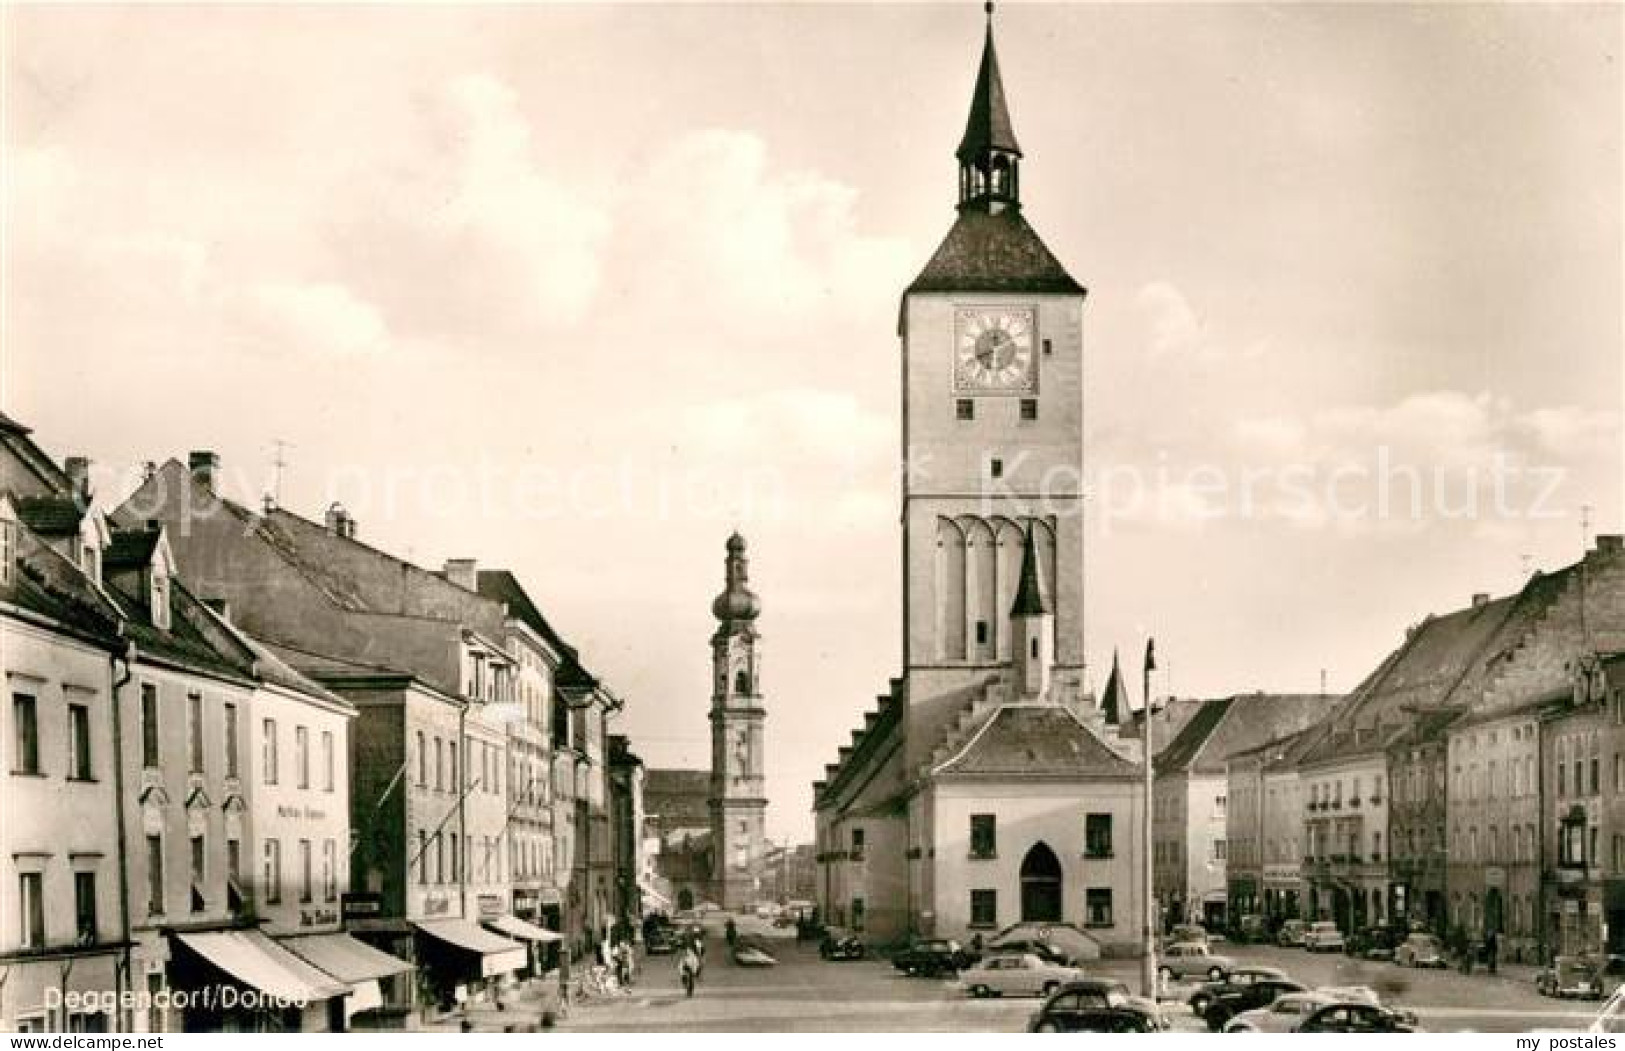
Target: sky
column 579, row 289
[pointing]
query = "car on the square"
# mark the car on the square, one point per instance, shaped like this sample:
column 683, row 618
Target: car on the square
column 1045, row 951
column 1177, row 961
column 1095, row 1005
column 1282, row 1016
column 660, row 941
column 1290, row 936
column 1420, row 950
column 1016, row 974
column 1374, row 943
column 1355, row 1016
column 1188, row 934
column 1063, row 942
column 1251, row 930
column 1571, row 977
column 1323, row 936
column 838, row 943
column 930, row 957
column 1239, row 999
column 1242, row 975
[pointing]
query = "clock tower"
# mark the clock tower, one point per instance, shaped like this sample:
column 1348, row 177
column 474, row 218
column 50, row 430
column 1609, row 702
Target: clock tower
column 738, row 799
column 992, row 358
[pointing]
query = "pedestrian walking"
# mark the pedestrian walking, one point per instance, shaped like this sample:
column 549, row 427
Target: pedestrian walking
column 688, row 969
column 730, row 932
column 1492, row 950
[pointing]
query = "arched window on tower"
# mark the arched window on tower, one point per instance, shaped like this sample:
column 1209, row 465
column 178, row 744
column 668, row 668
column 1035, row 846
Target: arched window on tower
column 742, row 682
column 1001, row 177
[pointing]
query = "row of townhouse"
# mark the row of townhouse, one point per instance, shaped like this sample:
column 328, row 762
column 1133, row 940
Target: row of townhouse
column 1474, row 783
column 348, row 790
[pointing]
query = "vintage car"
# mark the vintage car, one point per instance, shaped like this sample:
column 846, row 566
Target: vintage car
column 1356, row 1016
column 1062, row 942
column 1240, row 999
column 1374, row 943
column 1571, row 977
column 1282, row 1016
column 1096, row 1005
column 1242, row 975
column 1176, row 961
column 839, row 943
column 1016, row 974
column 1251, row 929
column 1323, row 936
column 1420, row 950
column 933, row 956
column 1290, row 936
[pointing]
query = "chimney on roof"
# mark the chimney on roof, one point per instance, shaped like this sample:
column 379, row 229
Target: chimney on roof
column 1609, row 544
column 77, row 468
column 460, row 571
column 204, row 464
column 339, row 522
column 1481, row 598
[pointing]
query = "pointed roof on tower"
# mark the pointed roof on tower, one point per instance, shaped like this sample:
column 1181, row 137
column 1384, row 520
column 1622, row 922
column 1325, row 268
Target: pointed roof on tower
column 1030, row 600
column 988, row 127
column 1114, row 701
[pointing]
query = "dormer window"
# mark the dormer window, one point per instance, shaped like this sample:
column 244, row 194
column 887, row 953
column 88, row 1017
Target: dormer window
column 160, row 599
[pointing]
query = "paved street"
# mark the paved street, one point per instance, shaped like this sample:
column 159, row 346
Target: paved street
column 806, row 994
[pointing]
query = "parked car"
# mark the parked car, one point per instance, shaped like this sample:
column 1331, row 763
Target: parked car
column 1239, row 999
column 1251, row 930
column 750, row 952
column 1187, row 934
column 934, row 956
column 660, row 941
column 1353, row 1016
column 1420, row 950
column 841, row 944
column 1063, row 940
column 1096, row 1005
column 1282, row 1016
column 1045, row 951
column 1290, row 936
column 1374, row 943
column 1241, row 976
column 1016, row 974
column 1323, row 936
column 1571, row 977
column 1176, row 961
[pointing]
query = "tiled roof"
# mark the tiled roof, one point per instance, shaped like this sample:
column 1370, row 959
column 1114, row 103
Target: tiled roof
column 322, row 666
column 995, row 252
column 1445, row 660
column 50, row 585
column 182, row 642
column 1222, row 727
column 54, row 515
column 273, row 669
column 130, row 548
column 1038, row 740
column 1030, row 600
column 500, row 585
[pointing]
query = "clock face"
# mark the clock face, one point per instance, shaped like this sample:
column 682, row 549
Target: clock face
column 993, row 349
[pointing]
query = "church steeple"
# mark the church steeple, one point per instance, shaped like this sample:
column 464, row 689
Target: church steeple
column 989, row 157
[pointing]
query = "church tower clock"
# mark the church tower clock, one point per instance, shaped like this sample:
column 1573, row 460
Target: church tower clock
column 992, row 358
column 738, row 796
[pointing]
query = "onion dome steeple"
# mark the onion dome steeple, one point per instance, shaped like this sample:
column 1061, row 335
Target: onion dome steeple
column 737, row 606
column 989, row 157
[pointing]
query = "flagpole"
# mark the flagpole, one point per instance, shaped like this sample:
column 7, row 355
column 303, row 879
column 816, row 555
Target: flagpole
column 1148, row 969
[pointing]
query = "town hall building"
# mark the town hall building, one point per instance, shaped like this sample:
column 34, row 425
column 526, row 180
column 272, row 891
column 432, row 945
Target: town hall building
column 985, row 788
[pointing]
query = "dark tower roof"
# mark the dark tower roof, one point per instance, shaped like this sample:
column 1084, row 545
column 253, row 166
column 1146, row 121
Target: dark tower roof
column 1114, row 701
column 1030, row 600
column 737, row 604
column 988, row 127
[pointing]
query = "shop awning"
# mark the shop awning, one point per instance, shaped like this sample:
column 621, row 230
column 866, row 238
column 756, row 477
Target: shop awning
column 514, row 927
column 345, row 958
column 497, row 955
column 255, row 960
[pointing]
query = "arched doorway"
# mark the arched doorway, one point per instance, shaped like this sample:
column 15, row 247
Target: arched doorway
column 1494, row 912
column 1041, row 885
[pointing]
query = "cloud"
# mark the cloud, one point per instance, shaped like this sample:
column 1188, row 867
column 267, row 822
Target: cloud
column 315, row 318
column 463, row 227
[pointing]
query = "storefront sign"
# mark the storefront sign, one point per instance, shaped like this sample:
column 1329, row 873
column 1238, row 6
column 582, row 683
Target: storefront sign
column 436, row 905
column 360, row 906
column 490, row 905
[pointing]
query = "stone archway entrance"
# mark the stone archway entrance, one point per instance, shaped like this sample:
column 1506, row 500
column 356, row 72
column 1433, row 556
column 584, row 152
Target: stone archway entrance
column 1041, row 885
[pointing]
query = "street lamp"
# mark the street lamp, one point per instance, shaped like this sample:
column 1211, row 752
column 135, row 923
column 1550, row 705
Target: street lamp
column 1148, row 969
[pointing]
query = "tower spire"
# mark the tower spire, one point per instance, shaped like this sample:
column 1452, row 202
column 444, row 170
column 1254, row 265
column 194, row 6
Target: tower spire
column 1030, row 600
column 989, row 156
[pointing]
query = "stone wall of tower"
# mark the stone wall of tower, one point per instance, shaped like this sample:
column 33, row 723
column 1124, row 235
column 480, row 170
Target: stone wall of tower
column 738, row 801
column 951, row 493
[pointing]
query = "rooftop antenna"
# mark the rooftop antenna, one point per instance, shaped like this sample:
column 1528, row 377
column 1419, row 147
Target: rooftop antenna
column 278, row 462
